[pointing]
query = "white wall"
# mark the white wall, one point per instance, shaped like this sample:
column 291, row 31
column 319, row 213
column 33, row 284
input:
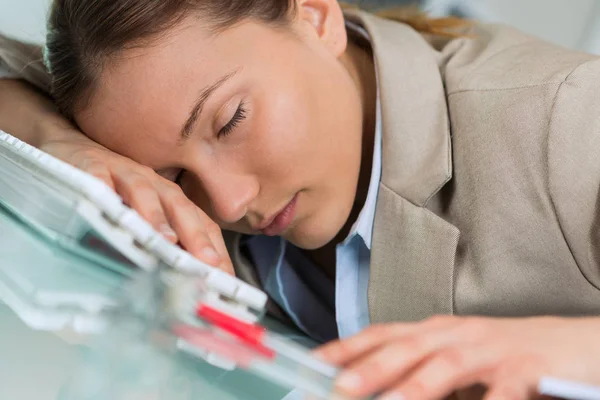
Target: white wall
column 570, row 23
column 590, row 41
column 563, row 22
column 24, row 19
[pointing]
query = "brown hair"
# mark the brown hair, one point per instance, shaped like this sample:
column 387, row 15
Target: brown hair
column 83, row 35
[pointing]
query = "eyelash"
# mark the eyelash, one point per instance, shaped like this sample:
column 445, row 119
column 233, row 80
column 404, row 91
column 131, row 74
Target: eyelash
column 238, row 117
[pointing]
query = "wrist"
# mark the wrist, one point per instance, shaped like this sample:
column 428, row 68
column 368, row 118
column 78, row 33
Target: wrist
column 30, row 115
column 52, row 127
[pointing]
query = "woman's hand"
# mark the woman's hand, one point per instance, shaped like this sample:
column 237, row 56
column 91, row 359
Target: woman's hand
column 161, row 202
column 435, row 358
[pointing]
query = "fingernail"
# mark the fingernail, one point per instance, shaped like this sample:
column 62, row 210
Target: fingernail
column 210, row 253
column 167, row 231
column 349, row 381
column 391, row 396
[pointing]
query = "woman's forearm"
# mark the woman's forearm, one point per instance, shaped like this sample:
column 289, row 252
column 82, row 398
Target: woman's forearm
column 30, row 115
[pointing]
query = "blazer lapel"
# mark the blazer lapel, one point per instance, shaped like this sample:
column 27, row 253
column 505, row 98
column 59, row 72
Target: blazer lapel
column 413, row 252
column 412, row 261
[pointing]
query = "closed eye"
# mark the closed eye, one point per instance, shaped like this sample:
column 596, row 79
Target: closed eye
column 237, row 118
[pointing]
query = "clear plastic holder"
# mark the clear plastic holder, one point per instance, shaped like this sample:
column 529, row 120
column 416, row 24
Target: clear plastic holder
column 138, row 346
column 174, row 305
column 216, row 335
column 151, row 330
column 50, row 288
column 79, row 211
column 40, row 199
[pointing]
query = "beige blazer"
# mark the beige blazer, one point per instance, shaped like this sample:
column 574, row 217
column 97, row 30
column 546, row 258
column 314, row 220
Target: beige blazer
column 489, row 197
column 488, row 202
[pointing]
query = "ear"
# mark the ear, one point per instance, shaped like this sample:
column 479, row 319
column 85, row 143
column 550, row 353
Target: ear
column 326, row 19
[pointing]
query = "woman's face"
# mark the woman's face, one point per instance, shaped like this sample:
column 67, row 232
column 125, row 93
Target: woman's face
column 263, row 126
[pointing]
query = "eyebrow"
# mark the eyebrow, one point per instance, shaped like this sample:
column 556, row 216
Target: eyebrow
column 189, row 125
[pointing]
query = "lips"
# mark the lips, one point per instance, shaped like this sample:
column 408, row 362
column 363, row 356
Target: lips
column 282, row 220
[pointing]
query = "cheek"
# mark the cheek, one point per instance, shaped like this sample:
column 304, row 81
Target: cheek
column 304, row 139
column 282, row 144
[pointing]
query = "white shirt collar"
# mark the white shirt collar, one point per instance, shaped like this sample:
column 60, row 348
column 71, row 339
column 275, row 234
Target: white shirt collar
column 364, row 223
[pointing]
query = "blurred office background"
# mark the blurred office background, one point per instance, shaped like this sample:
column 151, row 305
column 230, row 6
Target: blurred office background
column 571, row 23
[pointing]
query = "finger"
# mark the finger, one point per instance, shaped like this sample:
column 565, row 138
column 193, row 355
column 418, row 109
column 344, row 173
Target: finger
column 191, row 225
column 100, row 171
column 341, row 352
column 444, row 372
column 388, row 364
column 216, row 236
column 138, row 193
column 517, row 379
column 514, row 389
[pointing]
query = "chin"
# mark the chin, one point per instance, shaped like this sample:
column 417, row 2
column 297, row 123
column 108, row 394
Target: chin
column 311, row 239
column 308, row 244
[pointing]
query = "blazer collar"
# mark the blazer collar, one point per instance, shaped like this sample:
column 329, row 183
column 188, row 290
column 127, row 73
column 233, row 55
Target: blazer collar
column 416, row 146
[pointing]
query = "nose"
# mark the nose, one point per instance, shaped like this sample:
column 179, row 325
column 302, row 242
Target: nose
column 230, row 194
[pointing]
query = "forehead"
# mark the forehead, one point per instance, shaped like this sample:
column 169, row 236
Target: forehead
column 146, row 93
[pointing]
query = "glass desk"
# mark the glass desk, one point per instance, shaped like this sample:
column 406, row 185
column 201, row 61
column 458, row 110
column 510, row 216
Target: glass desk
column 41, row 365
